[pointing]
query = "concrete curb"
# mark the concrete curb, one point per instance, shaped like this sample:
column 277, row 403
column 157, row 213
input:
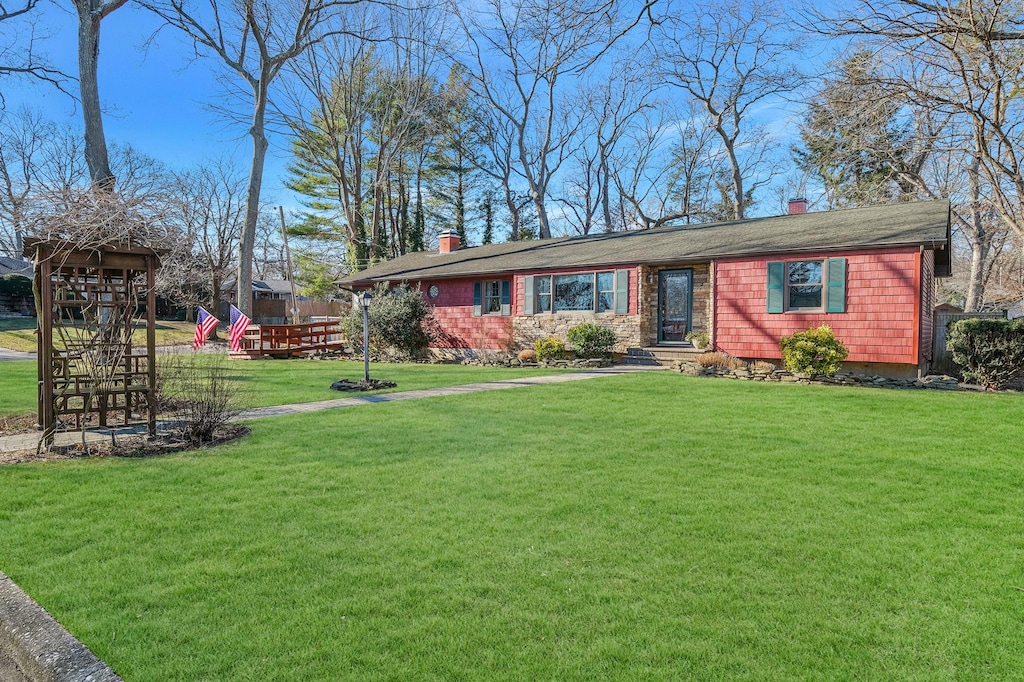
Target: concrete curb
column 42, row 649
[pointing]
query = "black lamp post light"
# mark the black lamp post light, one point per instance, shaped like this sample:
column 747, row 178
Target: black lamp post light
column 363, row 299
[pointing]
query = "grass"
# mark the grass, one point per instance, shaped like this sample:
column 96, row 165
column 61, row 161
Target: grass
column 281, row 382
column 18, row 333
column 641, row 527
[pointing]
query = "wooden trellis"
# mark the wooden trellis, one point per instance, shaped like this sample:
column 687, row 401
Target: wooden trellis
column 89, row 370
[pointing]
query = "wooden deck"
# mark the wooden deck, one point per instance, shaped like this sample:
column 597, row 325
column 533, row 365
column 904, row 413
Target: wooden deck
column 288, row 340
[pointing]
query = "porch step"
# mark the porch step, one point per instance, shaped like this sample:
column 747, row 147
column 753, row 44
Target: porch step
column 660, row 355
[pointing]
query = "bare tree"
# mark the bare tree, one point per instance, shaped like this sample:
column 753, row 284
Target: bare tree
column 988, row 21
column 23, row 136
column 90, row 14
column 959, row 65
column 525, row 59
column 613, row 107
column 666, row 169
column 254, row 40
column 19, row 52
column 209, row 211
column 732, row 57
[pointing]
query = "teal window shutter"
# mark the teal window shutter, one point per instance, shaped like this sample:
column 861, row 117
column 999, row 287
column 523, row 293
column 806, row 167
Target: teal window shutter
column 506, row 297
column 478, row 299
column 622, row 291
column 835, row 297
column 528, row 295
column 776, row 279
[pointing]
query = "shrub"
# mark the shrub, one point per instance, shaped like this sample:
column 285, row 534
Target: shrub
column 989, row 352
column 199, row 394
column 550, row 348
column 399, row 318
column 762, row 366
column 591, row 340
column 719, row 360
column 699, row 339
column 528, row 355
column 815, row 351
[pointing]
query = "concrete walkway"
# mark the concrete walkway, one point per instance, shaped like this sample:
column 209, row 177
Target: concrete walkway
column 28, row 441
column 7, row 354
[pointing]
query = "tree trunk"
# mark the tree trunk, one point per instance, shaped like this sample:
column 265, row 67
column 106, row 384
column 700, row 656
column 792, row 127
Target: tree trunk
column 606, row 206
column 247, row 240
column 543, row 227
column 88, row 54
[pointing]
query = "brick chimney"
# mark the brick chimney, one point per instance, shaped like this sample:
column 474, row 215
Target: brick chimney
column 797, row 206
column 448, row 241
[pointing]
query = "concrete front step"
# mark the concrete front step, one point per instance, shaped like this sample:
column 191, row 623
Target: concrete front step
column 660, row 355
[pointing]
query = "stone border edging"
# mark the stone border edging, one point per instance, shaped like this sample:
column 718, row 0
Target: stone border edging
column 39, row 646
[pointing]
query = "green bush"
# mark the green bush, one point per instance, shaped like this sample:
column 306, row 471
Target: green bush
column 399, row 319
column 16, row 286
column 591, row 340
column 699, row 339
column 989, row 352
column 550, row 348
column 815, row 351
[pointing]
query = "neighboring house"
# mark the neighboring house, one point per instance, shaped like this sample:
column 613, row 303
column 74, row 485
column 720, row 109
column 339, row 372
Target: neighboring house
column 867, row 272
column 15, row 266
column 262, row 289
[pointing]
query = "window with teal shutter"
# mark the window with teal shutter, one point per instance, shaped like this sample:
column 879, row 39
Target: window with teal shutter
column 528, row 295
column 835, row 298
column 478, row 299
column 776, row 280
column 622, row 291
column 506, row 297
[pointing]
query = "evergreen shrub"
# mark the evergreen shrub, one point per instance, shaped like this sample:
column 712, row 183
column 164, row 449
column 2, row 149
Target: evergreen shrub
column 591, row 340
column 399, row 320
column 815, row 351
column 551, row 348
column 989, row 352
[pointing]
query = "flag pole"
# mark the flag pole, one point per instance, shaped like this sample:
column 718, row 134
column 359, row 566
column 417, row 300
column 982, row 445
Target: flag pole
column 288, row 262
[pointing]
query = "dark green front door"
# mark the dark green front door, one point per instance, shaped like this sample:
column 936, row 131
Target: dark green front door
column 675, row 299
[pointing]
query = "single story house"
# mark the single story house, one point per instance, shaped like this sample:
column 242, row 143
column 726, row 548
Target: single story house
column 262, row 290
column 866, row 272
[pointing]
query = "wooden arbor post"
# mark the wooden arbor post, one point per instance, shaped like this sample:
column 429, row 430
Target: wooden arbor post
column 89, row 302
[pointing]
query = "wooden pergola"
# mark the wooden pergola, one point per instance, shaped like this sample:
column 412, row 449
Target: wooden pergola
column 89, row 300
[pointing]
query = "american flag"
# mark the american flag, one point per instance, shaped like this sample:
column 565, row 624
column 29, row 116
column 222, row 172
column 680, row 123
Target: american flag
column 205, row 324
column 239, row 323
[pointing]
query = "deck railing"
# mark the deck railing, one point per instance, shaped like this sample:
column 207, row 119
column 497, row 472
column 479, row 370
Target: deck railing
column 289, row 340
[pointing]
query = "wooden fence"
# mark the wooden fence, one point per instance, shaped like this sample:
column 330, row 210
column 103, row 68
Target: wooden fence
column 942, row 360
column 276, row 311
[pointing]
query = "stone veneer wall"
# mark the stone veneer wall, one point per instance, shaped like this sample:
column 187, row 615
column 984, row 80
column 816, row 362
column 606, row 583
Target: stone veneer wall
column 528, row 328
column 702, row 313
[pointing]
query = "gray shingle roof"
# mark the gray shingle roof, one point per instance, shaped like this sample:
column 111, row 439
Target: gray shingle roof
column 908, row 224
column 14, row 266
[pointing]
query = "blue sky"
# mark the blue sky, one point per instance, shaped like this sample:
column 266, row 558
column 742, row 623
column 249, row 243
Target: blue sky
column 153, row 98
column 157, row 100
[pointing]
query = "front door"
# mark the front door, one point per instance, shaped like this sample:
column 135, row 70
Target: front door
column 675, row 299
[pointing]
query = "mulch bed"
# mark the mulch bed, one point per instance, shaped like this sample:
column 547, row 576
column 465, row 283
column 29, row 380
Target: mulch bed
column 122, row 446
column 371, row 385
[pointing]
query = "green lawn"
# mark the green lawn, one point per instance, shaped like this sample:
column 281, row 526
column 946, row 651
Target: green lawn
column 642, row 527
column 18, row 333
column 281, row 382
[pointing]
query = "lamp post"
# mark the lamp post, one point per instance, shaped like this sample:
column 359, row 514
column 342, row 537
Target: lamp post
column 364, row 302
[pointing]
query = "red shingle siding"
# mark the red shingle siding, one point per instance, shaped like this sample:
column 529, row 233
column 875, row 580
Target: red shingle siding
column 881, row 322
column 453, row 310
